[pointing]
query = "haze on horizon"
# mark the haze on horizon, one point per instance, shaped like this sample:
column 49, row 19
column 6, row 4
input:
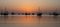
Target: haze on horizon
column 30, row 5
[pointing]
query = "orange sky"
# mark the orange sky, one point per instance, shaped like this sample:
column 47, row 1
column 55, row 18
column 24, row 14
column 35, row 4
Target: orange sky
column 29, row 5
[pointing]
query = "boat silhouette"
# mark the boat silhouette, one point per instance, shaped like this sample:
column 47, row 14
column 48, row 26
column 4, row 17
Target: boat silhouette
column 54, row 13
column 4, row 12
column 39, row 12
column 33, row 13
column 27, row 13
column 12, row 13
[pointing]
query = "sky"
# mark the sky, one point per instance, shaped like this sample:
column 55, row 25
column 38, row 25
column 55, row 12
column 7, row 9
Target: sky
column 30, row 5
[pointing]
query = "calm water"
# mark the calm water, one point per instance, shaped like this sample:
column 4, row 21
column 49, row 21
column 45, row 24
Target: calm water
column 29, row 21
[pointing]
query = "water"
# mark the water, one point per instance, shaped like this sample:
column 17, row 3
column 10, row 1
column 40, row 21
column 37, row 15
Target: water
column 29, row 21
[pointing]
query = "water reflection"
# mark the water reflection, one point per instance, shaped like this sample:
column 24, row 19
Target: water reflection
column 20, row 19
column 30, row 21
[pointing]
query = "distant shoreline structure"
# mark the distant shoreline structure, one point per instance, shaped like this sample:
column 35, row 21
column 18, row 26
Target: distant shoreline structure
column 5, row 12
column 27, row 15
column 39, row 13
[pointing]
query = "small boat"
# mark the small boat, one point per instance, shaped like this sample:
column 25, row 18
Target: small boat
column 1, row 13
column 5, row 13
column 27, row 13
column 12, row 13
column 39, row 14
column 33, row 14
column 54, row 13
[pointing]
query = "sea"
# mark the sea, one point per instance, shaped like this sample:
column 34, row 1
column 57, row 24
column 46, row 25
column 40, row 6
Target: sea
column 29, row 21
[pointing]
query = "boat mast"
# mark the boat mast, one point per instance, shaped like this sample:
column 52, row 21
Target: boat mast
column 5, row 9
column 39, row 9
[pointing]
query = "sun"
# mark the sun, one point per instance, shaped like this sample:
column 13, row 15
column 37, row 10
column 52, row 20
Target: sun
column 27, row 8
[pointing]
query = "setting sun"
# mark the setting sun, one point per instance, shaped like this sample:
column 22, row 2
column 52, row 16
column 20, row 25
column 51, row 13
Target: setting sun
column 28, row 8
